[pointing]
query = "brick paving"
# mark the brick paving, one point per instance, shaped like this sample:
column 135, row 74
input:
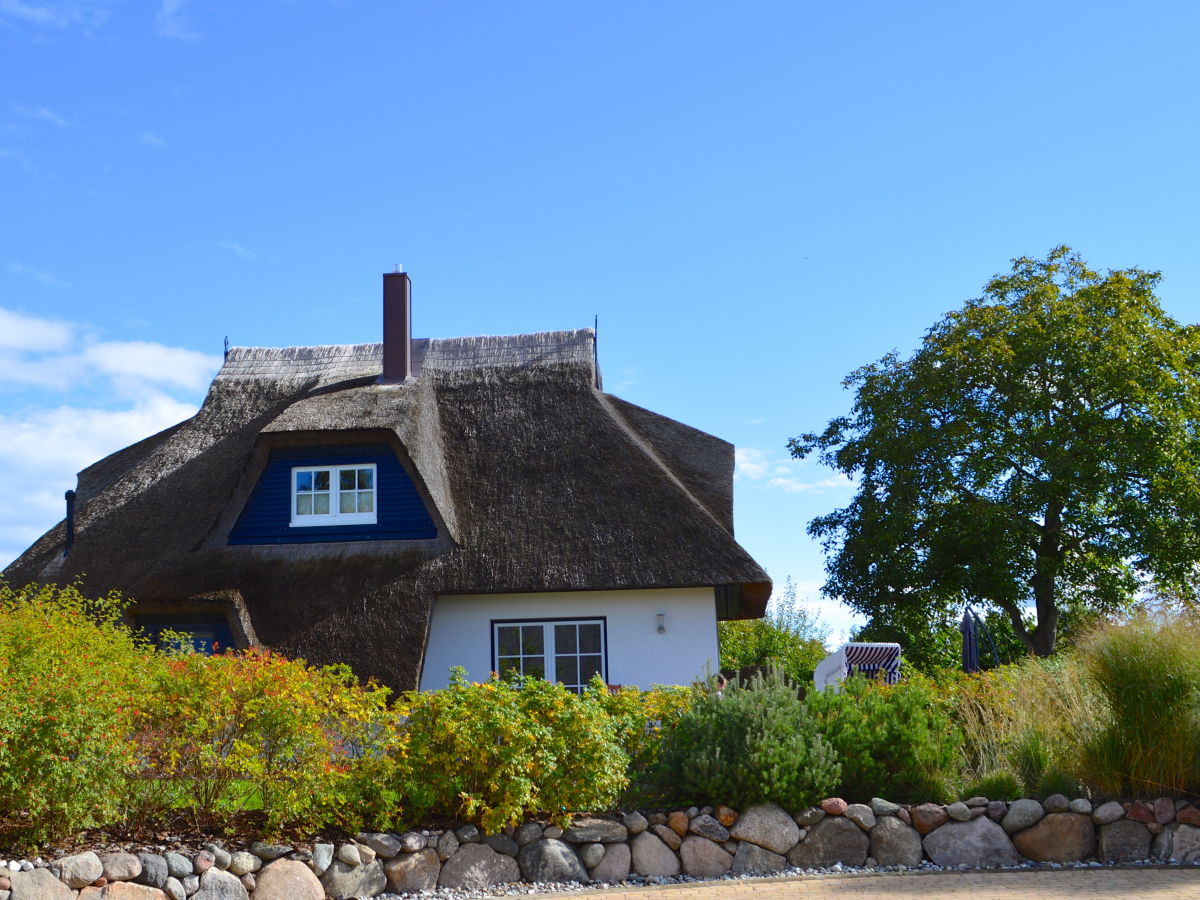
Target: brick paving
column 1064, row 884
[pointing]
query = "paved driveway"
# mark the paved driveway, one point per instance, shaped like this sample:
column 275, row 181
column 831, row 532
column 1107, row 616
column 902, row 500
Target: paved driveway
column 1065, row 884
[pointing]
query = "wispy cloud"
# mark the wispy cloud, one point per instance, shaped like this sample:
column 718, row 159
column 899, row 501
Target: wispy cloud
column 149, row 139
column 783, row 473
column 171, row 22
column 42, row 114
column 237, row 250
column 55, row 15
column 32, row 334
column 42, row 278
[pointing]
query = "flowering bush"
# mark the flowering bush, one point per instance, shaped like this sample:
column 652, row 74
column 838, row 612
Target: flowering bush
column 71, row 682
column 495, row 751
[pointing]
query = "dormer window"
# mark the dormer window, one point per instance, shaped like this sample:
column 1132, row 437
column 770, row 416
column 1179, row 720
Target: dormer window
column 333, row 495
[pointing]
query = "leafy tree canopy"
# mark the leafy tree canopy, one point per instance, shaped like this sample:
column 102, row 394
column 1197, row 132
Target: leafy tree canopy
column 1037, row 455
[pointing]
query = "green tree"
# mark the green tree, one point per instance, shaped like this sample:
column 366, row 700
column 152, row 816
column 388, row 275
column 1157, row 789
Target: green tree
column 1039, row 450
column 789, row 637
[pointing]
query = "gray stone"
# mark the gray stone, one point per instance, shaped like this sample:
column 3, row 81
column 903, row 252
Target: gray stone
column 248, row 881
column 667, row 835
column 174, row 888
column 751, row 859
column 832, row 840
column 349, row 855
column 1108, row 812
column 1163, row 846
column 220, row 855
column 287, row 879
column 322, row 856
column 1056, row 803
column 78, row 870
column 447, row 846
column 527, row 833
column 268, row 852
column 342, row 882
column 997, row 810
column 976, row 802
column 592, row 828
column 38, row 884
column 1124, row 841
column 810, row 816
column 476, row 866
column 468, row 834
column 409, row 842
column 217, row 884
column 502, row 843
column 977, row 843
column 708, row 827
column 386, row 845
column 652, row 857
column 635, row 822
column 959, row 811
column 615, row 865
column 366, row 854
column 893, row 843
column 191, row 884
column 1081, row 805
column 1187, row 844
column 591, row 854
column 701, row 858
column 126, row 866
column 1059, row 837
column 178, row 865
column 882, row 807
column 552, row 831
column 1022, row 814
column 768, row 826
column 154, row 869
column 551, row 859
column 861, row 815
column 410, row 873
column 243, row 862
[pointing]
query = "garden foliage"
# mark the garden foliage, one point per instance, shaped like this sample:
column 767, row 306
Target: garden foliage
column 757, row 743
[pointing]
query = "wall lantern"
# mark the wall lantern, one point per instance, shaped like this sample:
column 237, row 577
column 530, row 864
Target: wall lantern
column 661, row 619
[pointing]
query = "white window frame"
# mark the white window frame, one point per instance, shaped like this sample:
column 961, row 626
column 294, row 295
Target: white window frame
column 550, row 653
column 334, row 517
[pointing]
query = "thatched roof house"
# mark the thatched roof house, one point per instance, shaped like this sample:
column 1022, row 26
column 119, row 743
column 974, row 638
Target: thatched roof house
column 483, row 498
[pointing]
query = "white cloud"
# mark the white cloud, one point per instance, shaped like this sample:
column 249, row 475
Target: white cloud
column 21, row 332
column 149, row 139
column 171, row 22
column 783, row 473
column 43, row 278
column 58, row 15
column 237, row 250
column 43, row 114
column 120, row 392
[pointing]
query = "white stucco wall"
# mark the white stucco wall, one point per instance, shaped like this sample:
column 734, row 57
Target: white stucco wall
column 460, row 633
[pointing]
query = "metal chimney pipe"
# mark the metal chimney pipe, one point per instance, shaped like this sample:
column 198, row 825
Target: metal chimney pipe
column 397, row 326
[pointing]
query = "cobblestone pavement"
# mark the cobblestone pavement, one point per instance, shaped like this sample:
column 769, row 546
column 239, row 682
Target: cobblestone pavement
column 1065, row 884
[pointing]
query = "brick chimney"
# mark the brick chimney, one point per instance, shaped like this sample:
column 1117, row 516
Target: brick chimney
column 397, row 326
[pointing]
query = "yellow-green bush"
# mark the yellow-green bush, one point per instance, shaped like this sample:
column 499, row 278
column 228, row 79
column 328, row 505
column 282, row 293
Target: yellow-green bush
column 71, row 684
column 495, row 751
column 641, row 719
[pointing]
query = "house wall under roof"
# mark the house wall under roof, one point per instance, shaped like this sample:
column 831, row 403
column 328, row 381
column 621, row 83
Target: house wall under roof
column 462, row 632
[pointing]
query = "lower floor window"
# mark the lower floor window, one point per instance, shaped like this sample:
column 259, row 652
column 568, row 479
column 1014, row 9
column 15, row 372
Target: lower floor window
column 570, row 651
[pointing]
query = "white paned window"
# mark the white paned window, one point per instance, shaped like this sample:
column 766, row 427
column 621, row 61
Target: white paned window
column 333, row 495
column 570, row 651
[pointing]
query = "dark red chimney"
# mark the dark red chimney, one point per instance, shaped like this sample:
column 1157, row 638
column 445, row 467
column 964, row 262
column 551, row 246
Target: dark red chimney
column 397, row 326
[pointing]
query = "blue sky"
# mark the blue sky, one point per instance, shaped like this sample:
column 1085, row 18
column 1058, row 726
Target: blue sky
column 755, row 199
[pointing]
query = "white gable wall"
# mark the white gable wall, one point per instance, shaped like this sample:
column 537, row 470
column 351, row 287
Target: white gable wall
column 461, row 632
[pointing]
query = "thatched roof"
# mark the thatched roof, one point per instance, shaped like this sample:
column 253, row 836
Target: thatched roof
column 536, row 479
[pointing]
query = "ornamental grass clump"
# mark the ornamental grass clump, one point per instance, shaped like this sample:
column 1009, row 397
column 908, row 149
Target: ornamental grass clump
column 497, row 751
column 1148, row 741
column 71, row 682
column 755, row 743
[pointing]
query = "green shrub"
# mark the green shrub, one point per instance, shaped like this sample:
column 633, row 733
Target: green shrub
column 641, row 719
column 756, row 744
column 892, row 740
column 70, row 688
column 497, row 751
column 255, row 731
column 1148, row 673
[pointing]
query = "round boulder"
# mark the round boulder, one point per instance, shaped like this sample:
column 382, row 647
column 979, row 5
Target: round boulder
column 703, row 859
column 832, row 840
column 287, row 879
column 411, row 873
column 551, row 860
column 1059, row 837
column 977, row 843
column 895, row 844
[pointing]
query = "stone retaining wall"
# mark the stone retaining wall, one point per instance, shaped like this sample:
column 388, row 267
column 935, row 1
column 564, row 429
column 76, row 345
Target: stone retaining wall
column 706, row 843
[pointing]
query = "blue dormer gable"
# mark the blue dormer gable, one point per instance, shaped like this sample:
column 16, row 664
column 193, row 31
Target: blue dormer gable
column 362, row 485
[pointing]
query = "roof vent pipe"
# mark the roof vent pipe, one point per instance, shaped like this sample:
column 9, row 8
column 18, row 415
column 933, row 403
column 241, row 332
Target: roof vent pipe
column 397, row 326
column 69, row 541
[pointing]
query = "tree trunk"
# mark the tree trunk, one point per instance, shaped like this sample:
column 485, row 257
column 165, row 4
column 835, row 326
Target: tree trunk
column 1049, row 555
